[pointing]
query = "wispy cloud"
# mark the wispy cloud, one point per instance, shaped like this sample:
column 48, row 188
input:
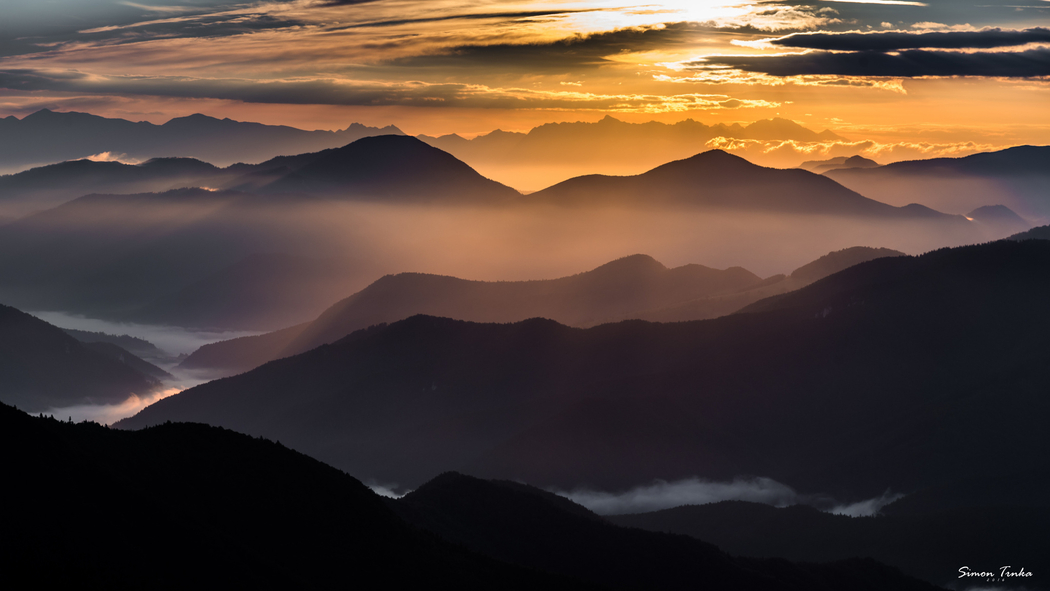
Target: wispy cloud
column 331, row 91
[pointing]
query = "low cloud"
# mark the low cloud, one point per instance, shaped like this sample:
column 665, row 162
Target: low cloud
column 791, row 153
column 866, row 508
column 113, row 157
column 697, row 491
column 694, row 491
column 107, row 414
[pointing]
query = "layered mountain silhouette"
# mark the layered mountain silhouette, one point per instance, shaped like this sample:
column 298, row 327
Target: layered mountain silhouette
column 1016, row 177
column 822, row 166
column 557, row 151
column 632, row 287
column 899, row 373
column 182, row 256
column 42, row 367
column 136, row 346
column 234, row 510
column 717, row 179
column 41, row 188
column 520, row 524
column 388, row 168
column 47, row 136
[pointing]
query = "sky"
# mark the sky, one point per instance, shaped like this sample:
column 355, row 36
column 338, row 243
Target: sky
column 947, row 74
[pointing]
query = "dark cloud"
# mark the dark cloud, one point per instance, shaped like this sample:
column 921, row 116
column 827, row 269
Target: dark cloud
column 1023, row 64
column 566, row 55
column 893, row 41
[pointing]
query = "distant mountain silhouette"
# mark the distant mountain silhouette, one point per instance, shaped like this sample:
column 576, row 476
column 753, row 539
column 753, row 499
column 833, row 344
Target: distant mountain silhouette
column 899, row 373
column 1016, row 177
column 632, row 287
column 520, row 524
column 822, row 166
column 392, row 166
column 721, row 180
column 1040, row 233
column 219, row 509
column 727, row 303
column 555, row 151
column 384, row 167
column 41, row 188
column 620, row 289
column 165, row 257
column 931, row 546
column 136, row 346
column 999, row 217
column 42, row 367
column 47, row 136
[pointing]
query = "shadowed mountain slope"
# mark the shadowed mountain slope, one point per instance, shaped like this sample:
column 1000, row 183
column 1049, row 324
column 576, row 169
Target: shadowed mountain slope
column 718, row 179
column 727, row 303
column 48, row 136
column 42, row 367
column 616, row 290
column 633, row 287
column 520, row 524
column 799, row 393
column 183, row 505
column 1016, row 177
column 931, row 546
column 1040, row 233
column 392, row 166
column 138, row 347
column 127, row 358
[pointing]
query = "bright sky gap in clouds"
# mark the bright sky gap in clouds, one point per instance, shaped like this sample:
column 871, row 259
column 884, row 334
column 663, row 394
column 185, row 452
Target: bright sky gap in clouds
column 882, row 70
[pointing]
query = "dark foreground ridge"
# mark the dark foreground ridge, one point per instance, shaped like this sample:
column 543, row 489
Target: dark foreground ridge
column 185, row 505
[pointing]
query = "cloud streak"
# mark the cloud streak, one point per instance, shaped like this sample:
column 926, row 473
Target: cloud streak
column 330, row 91
column 906, row 64
column 897, row 41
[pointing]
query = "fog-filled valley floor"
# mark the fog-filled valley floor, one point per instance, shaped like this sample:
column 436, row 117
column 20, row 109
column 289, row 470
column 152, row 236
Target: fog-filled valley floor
column 706, row 372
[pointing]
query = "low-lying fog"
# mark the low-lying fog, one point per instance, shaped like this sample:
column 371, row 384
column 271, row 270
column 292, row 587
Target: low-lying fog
column 174, row 341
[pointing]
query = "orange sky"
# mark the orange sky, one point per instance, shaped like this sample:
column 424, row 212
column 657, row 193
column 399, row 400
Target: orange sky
column 940, row 73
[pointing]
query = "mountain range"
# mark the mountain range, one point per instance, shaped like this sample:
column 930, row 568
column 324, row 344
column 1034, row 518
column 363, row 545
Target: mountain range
column 632, row 287
column 557, row 151
column 718, row 179
column 47, row 136
column 190, row 256
column 899, row 373
column 1016, row 177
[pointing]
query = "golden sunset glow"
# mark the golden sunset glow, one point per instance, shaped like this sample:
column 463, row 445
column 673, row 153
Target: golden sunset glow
column 440, row 67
